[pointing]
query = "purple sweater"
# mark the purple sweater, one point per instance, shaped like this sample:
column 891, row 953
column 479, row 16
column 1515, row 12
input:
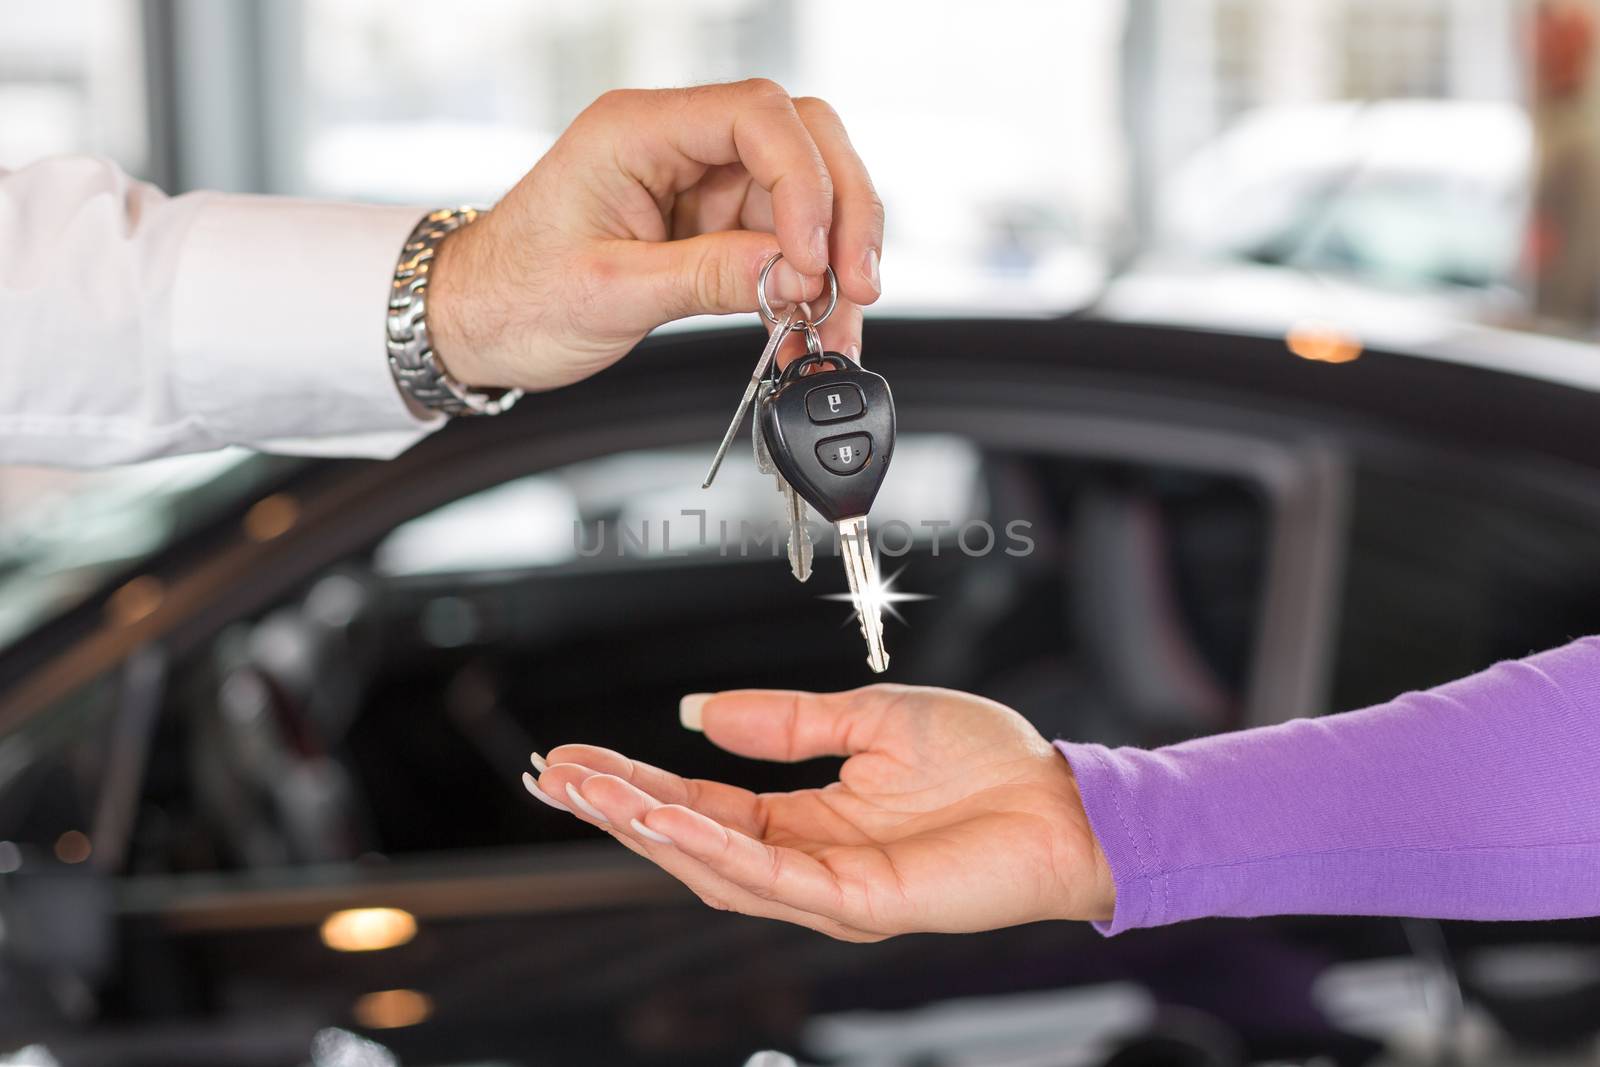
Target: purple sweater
column 1476, row 800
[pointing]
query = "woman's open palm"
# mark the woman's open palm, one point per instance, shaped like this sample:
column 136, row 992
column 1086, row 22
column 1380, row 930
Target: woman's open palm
column 950, row 814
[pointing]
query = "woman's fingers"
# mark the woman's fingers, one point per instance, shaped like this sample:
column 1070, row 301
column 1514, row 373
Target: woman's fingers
column 727, row 804
column 628, row 812
column 787, row 726
column 771, row 873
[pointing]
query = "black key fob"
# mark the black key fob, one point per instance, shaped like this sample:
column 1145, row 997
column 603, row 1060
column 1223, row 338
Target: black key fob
column 830, row 433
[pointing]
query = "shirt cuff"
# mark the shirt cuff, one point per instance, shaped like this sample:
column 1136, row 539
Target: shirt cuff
column 1128, row 845
column 278, row 325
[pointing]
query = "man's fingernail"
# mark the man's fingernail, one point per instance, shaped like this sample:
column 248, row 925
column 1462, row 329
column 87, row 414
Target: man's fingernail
column 648, row 834
column 791, row 286
column 870, row 269
column 537, row 761
column 532, row 785
column 587, row 808
column 819, row 244
column 691, row 711
column 852, row 352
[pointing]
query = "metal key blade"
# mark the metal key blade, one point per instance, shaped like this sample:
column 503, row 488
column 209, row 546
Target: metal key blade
column 861, row 570
column 779, row 332
column 758, row 440
column 800, row 547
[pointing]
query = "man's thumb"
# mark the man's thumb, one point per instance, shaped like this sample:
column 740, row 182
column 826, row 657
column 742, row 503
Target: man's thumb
column 712, row 274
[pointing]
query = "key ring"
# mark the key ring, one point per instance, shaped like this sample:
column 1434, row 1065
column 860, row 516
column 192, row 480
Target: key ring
column 801, row 367
column 813, row 339
column 800, row 325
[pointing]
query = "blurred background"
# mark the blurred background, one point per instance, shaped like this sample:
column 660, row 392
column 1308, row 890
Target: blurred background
column 1384, row 170
column 1392, row 169
column 1286, row 311
column 1426, row 150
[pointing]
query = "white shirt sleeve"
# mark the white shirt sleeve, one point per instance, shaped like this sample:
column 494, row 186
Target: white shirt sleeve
column 135, row 325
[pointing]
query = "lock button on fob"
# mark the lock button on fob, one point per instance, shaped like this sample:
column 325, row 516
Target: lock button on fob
column 845, row 455
column 832, row 403
column 836, row 466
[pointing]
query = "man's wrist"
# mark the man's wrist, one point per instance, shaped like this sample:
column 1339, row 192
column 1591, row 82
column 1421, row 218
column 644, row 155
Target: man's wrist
column 450, row 316
column 414, row 360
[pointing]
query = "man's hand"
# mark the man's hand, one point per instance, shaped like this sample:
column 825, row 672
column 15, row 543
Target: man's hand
column 951, row 814
column 654, row 205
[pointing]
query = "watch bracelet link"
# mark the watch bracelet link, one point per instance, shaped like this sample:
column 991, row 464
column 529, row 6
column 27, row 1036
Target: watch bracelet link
column 416, row 367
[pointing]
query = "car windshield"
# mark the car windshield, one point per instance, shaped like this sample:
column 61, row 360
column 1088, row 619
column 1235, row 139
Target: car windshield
column 63, row 534
column 1339, row 167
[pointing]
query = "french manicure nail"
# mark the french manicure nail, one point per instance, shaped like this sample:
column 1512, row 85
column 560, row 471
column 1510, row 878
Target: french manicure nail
column 691, row 711
column 587, row 808
column 870, row 268
column 532, row 785
column 819, row 244
column 648, row 834
column 537, row 761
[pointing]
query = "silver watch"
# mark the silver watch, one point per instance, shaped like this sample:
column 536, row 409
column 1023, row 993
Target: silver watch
column 416, row 369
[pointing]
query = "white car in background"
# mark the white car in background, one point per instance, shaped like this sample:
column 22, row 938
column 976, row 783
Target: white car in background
column 1396, row 221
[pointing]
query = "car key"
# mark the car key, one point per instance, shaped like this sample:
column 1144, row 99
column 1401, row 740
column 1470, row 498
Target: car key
column 799, row 547
column 831, row 436
column 758, row 443
column 789, row 322
column 781, row 328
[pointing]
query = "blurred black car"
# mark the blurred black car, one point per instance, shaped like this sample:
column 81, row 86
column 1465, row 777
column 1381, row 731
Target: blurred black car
column 241, row 709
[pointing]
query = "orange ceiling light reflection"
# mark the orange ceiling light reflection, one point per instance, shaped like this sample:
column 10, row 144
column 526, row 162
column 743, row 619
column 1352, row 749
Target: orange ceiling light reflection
column 368, row 929
column 73, row 847
column 136, row 601
column 389, row 1009
column 1322, row 343
column 271, row 517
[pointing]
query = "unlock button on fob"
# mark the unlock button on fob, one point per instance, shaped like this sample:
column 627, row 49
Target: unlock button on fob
column 830, row 403
column 845, row 455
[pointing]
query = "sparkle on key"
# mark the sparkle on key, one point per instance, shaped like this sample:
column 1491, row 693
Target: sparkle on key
column 885, row 596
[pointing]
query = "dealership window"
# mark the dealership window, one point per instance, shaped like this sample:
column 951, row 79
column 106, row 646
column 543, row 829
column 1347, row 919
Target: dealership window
column 1238, row 27
column 495, row 83
column 72, row 80
column 471, row 104
column 1396, row 49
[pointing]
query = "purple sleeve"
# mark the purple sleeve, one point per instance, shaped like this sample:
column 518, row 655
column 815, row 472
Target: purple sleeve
column 1476, row 800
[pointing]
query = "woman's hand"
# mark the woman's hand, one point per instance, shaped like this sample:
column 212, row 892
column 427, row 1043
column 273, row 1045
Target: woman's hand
column 950, row 814
column 652, row 206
